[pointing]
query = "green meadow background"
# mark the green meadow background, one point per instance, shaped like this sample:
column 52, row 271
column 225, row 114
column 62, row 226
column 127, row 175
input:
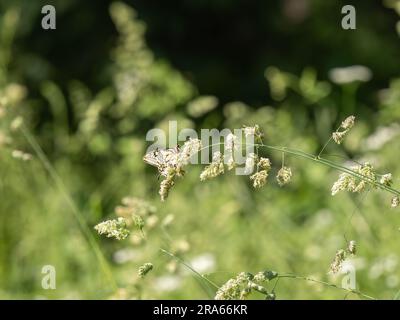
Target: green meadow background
column 88, row 92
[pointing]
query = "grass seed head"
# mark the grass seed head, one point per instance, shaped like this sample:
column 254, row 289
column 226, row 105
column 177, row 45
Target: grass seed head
column 145, row 269
column 115, row 228
column 348, row 123
column 259, row 179
column 254, row 131
column 338, row 137
column 364, row 176
column 395, row 202
column 352, row 247
column 215, row 168
column 386, row 179
column 337, row 262
column 345, row 127
column 166, row 185
column 189, row 149
column 284, row 176
column 264, row 164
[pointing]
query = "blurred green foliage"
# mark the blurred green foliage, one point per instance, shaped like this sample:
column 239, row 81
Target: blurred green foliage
column 89, row 91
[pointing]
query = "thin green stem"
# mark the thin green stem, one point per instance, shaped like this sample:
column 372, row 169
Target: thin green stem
column 189, row 267
column 288, row 275
column 293, row 276
column 326, row 143
column 317, row 159
column 323, row 148
column 322, row 161
column 74, row 209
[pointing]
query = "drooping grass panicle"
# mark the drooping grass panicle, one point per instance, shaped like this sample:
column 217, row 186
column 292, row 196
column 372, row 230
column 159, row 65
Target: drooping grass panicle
column 171, row 163
column 254, row 131
column 145, row 269
column 115, row 228
column 395, row 202
column 365, row 176
column 352, row 247
column 348, row 123
column 355, row 179
column 260, row 177
column 386, row 179
column 344, row 128
column 341, row 255
column 215, row 168
column 241, row 286
column 167, row 184
column 337, row 262
column 284, row 176
column 189, row 149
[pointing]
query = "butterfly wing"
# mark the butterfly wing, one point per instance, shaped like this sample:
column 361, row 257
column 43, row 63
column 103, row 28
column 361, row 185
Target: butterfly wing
column 163, row 159
column 153, row 158
column 170, row 156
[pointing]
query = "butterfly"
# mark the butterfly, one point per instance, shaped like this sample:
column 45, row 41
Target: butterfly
column 163, row 159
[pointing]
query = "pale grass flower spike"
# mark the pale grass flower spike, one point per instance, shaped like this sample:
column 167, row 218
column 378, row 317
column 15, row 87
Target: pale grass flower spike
column 145, row 269
column 341, row 255
column 284, row 176
column 343, row 130
column 357, row 179
column 241, row 286
column 395, row 202
column 215, row 168
column 113, row 228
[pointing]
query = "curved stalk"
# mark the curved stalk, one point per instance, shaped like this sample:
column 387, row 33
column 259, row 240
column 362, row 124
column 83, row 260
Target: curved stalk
column 322, row 161
column 294, row 276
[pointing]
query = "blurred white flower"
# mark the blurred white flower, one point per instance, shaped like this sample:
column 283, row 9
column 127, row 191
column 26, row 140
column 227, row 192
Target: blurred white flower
column 202, row 105
column 347, row 266
column 390, row 263
column 323, row 218
column 15, row 92
column 16, row 123
column 203, row 263
column 313, row 252
column 381, row 136
column 376, row 270
column 18, row 154
column 383, row 266
column 359, row 263
column 350, row 74
column 167, row 221
column 392, row 281
column 125, row 255
column 167, row 283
